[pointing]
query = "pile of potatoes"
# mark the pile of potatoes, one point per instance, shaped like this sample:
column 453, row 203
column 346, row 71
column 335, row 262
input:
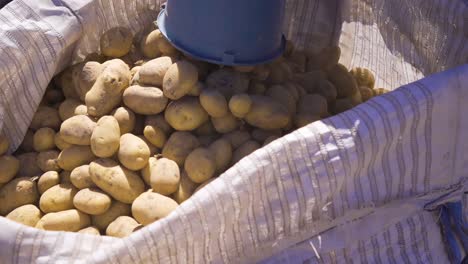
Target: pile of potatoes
column 124, row 137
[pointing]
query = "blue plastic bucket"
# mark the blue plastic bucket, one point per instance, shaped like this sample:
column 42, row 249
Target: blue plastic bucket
column 228, row 32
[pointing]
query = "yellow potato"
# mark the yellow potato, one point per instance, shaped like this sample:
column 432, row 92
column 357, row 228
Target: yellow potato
column 222, row 151
column 292, row 89
column 77, row 130
column 363, row 76
column 116, row 42
column 226, row 123
column 122, row 226
column 356, row 98
column 282, row 96
column 179, row 79
column 366, row 93
column 237, row 138
column 107, row 91
column 261, row 135
column 303, row 119
column 152, row 148
column 240, row 105
column 75, row 156
column 326, row 59
column 126, row 119
column 196, row 89
column 185, row 189
column 159, row 121
column 60, row 143
column 200, row 165
column 155, row 135
column 58, row 198
column 257, row 87
column 205, row 141
column 313, row 104
column 71, row 107
column 164, row 176
column 91, row 230
column 44, row 139
column 64, row 81
column 4, row 145
column 380, row 91
column 297, row 61
column 244, row 150
column 280, row 72
column 47, row 160
column 70, row 220
column 228, row 82
column 146, row 171
column 133, row 152
column 145, row 100
column 86, row 77
column 342, row 105
column 201, row 186
column 9, row 166
column 151, row 206
column 27, row 214
column 213, row 102
column 28, row 165
column 152, row 72
column 310, row 80
column 244, row 68
column 260, row 73
column 28, row 142
column 178, row 146
column 116, row 209
column 344, row 81
column 266, row 113
column 149, row 44
column 17, row 192
column 105, row 137
column 206, row 129
column 81, row 178
column 326, row 89
column 122, row 184
column 185, row 114
column 47, row 180
column 92, row 201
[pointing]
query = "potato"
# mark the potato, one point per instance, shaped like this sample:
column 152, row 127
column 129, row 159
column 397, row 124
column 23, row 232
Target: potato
column 17, row 192
column 363, row 76
column 60, row 143
column 366, row 93
column 380, row 91
column 28, row 164
column 178, row 146
column 77, row 130
column 206, row 129
column 145, row 100
column 65, row 176
column 344, row 81
column 326, row 89
column 200, row 165
column 282, row 96
column 126, row 119
column 122, row 226
column 71, row 107
column 257, row 87
column 260, row 73
column 179, row 79
column 237, row 138
column 185, row 114
column 27, row 214
column 196, row 89
column 289, row 48
column 240, row 105
column 116, row 209
column 122, row 184
column 201, row 186
column 151, row 206
column 70, row 220
column 266, row 113
column 45, row 117
column 133, row 152
column 28, row 142
column 86, row 77
column 247, row 68
column 134, row 71
column 297, row 61
column 292, row 89
column 222, row 151
column 58, row 198
column 152, row 148
column 116, row 42
column 270, row 139
column 64, row 80
column 53, row 96
column 164, row 176
column 228, row 82
column 106, row 92
column 47, row 180
column 105, row 138
column 205, row 141
column 313, row 104
column 303, row 119
column 280, row 72
column 261, row 135
column 244, row 150
column 326, row 59
column 356, row 98
column 75, row 156
column 47, row 160
column 91, row 230
column 310, row 80
column 44, row 139
column 4, row 145
column 149, row 44
column 152, row 72
column 155, row 135
column 342, row 105
column 92, row 201
column 9, row 166
column 185, row 189
column 81, row 178
column 225, row 124
column 159, row 121
column 213, row 102
column 146, row 171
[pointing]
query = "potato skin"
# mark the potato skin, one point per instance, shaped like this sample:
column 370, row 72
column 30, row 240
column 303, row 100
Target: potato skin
column 267, row 113
column 228, row 82
column 44, row 139
column 303, row 119
column 4, row 145
column 179, row 79
column 240, row 105
column 225, row 124
column 45, row 117
column 91, row 230
column 313, row 104
column 213, row 102
column 75, row 156
column 116, row 42
column 126, row 119
column 159, row 121
column 80, row 177
column 47, row 160
column 152, row 72
column 9, row 166
column 86, row 77
column 344, row 81
column 145, row 100
column 222, row 151
column 200, row 165
column 68, row 108
column 237, row 138
column 363, row 76
column 165, row 176
column 185, row 114
column 116, row 209
column 244, row 150
column 179, row 145
column 77, row 130
column 149, row 44
column 92, row 201
column 152, row 206
column 70, row 220
column 185, row 189
column 122, row 226
column 105, row 138
column 28, row 164
column 17, row 192
column 122, row 184
column 155, row 135
column 47, row 180
column 58, row 198
column 133, row 152
column 27, row 214
column 60, row 143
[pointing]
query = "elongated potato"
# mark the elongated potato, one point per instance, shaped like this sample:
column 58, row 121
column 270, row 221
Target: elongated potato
column 4, row 145
column 47, row 180
column 185, row 189
column 77, row 130
column 228, row 82
column 116, row 209
column 237, row 138
column 225, row 124
column 200, row 165
column 179, row 79
column 27, row 214
column 149, row 44
column 185, row 114
column 213, row 102
column 179, row 145
column 145, row 100
column 116, row 42
column 105, row 138
column 266, row 113
column 70, row 220
column 58, row 198
column 344, row 81
column 45, row 117
column 92, row 201
column 151, row 206
column 222, row 151
column 44, row 139
column 17, row 192
column 240, row 105
column 159, row 121
column 28, row 164
column 152, row 72
column 9, row 166
column 122, row 226
column 75, row 156
column 126, row 119
column 244, row 150
column 47, row 160
column 303, row 119
column 133, row 152
column 155, row 135
column 60, row 143
column 165, row 176
column 122, row 184
column 91, row 230
column 86, row 77
column 80, row 177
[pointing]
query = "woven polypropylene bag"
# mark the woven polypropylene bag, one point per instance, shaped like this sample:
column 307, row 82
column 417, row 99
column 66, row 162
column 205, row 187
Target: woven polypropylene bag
column 357, row 187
